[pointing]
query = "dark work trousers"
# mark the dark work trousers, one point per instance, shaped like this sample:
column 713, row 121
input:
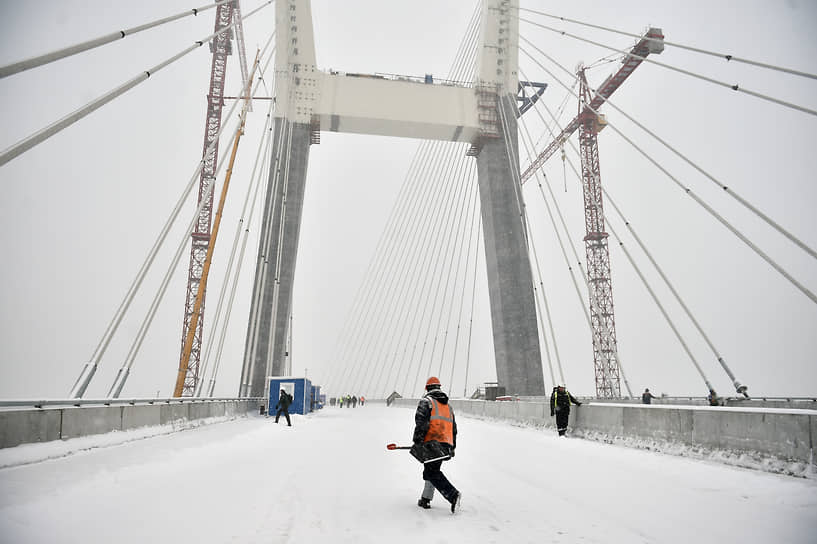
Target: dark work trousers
column 561, row 421
column 432, row 473
column 286, row 415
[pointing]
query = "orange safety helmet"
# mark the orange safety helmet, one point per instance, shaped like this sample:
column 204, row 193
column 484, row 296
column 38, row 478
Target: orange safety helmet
column 433, row 381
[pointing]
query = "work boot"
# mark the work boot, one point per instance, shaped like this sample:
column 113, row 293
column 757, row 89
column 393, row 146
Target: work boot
column 424, row 503
column 455, row 504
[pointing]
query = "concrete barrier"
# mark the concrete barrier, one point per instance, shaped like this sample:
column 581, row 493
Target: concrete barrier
column 24, row 426
column 779, row 434
column 134, row 417
column 778, row 440
column 673, row 425
column 90, row 420
column 168, row 413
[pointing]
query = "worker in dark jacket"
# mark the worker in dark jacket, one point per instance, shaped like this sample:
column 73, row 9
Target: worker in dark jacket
column 284, row 400
column 435, row 439
column 646, row 397
column 560, row 401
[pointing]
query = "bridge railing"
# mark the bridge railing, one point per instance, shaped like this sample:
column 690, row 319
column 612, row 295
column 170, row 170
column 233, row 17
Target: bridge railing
column 767, row 438
column 799, row 403
column 50, row 403
column 40, row 420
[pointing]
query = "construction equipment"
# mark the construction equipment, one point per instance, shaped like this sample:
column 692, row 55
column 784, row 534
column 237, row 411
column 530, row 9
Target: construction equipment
column 652, row 42
column 221, row 47
column 589, row 123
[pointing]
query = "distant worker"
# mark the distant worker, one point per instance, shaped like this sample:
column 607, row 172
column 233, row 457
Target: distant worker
column 284, row 400
column 713, row 398
column 435, row 439
column 646, row 397
column 560, row 401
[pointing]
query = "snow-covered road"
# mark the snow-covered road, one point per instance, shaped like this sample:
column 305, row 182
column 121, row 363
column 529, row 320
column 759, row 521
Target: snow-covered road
column 329, row 478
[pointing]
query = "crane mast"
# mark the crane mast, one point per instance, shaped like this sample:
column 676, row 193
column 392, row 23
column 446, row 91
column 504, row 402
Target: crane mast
column 602, row 317
column 221, row 47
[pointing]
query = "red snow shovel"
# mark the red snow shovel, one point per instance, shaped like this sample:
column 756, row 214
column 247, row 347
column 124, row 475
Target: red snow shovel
column 424, row 455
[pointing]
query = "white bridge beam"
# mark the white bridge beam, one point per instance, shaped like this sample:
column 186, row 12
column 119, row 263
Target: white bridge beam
column 365, row 104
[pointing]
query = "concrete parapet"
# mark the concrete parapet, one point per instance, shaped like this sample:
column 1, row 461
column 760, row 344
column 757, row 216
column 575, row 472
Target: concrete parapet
column 608, row 419
column 787, row 435
column 232, row 409
column 812, row 423
column 532, row 412
column 780, row 434
column 473, row 407
column 173, row 412
column 27, row 426
column 509, row 410
column 657, row 423
column 85, row 420
column 491, row 409
column 134, row 417
column 24, row 426
column 201, row 410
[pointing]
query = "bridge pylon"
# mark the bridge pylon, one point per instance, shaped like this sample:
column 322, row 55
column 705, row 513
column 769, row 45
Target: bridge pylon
column 482, row 114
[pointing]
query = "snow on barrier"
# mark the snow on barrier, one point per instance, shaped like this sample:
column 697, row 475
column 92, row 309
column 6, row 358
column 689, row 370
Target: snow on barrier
column 771, row 439
column 25, row 422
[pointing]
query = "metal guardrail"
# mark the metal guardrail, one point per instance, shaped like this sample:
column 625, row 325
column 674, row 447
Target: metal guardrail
column 427, row 79
column 687, row 399
column 42, row 403
column 738, row 399
column 36, row 403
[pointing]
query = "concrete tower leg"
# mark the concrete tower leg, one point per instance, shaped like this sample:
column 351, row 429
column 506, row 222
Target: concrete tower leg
column 264, row 352
column 510, row 284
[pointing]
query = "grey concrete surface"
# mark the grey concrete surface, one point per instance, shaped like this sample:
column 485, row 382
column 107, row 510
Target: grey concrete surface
column 82, row 421
column 25, row 426
column 134, row 417
column 787, row 435
column 168, row 413
column 510, row 284
column 265, row 347
column 673, row 426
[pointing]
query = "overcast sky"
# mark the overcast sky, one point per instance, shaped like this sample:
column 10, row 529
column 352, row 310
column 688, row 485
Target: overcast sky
column 80, row 212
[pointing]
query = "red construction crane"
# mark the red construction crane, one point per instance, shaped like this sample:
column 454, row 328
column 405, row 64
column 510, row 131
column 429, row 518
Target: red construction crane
column 221, row 47
column 602, row 318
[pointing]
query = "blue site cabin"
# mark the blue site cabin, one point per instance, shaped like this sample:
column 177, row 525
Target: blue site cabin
column 299, row 388
column 316, row 398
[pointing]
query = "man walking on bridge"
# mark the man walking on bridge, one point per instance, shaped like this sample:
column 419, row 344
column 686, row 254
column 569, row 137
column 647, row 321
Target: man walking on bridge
column 435, row 439
column 284, row 400
column 560, row 401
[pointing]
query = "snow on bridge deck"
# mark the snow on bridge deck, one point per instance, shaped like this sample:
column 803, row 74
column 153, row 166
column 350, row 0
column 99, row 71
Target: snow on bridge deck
column 330, row 478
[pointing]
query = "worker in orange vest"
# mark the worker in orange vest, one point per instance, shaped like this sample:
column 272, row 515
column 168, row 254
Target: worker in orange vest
column 435, row 439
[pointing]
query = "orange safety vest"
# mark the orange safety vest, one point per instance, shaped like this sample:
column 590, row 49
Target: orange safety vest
column 441, row 424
